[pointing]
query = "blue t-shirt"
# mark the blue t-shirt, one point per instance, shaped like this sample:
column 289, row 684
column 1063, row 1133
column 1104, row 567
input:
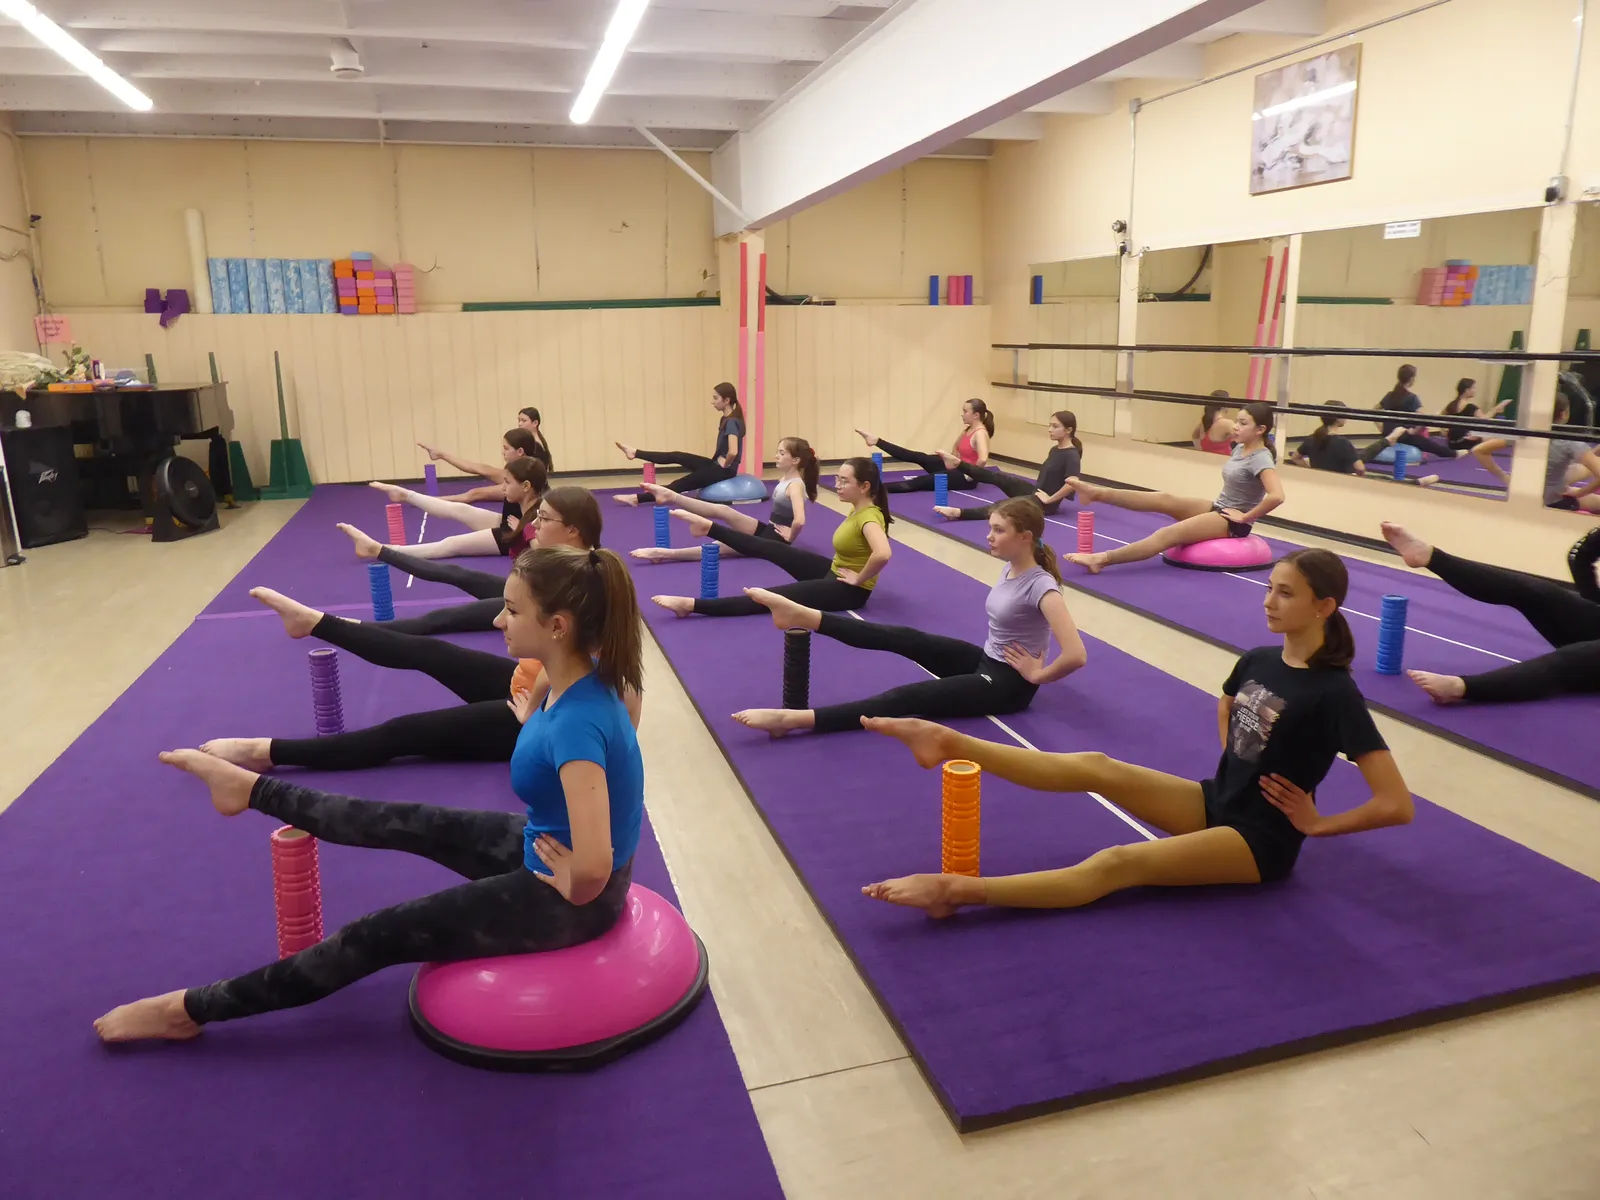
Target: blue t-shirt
column 589, row 723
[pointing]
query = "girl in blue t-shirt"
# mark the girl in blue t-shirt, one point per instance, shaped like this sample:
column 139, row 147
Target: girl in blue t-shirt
column 553, row 877
column 703, row 472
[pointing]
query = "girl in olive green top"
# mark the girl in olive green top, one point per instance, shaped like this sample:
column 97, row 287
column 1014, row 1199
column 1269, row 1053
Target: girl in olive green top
column 860, row 551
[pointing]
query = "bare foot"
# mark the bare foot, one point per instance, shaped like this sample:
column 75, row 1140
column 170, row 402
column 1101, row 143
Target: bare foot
column 1427, row 480
column 396, row 493
column 631, row 499
column 929, row 744
column 1086, row 493
column 679, row 605
column 230, row 785
column 155, row 1017
column 1413, row 551
column 948, row 511
column 698, row 526
column 661, row 554
column 627, row 451
column 365, row 547
column 1441, row 689
column 776, row 721
column 298, row 620
column 936, row 895
column 786, row 613
column 1094, row 562
column 662, row 493
column 253, row 754
column 870, row 439
column 434, row 453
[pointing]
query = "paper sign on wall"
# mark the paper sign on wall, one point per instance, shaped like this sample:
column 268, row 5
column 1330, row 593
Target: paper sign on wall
column 52, row 329
column 1402, row 229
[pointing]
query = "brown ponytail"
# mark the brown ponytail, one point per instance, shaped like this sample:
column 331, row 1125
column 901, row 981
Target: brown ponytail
column 866, row 473
column 984, row 415
column 530, row 471
column 1326, row 576
column 596, row 590
column 1025, row 516
column 810, row 468
column 731, row 394
column 538, row 432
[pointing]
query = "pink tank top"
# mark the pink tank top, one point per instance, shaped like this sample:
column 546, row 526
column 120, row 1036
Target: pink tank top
column 966, row 450
column 1211, row 447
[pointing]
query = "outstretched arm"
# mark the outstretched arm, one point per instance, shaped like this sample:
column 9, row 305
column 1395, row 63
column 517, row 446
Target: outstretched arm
column 491, row 473
column 491, row 491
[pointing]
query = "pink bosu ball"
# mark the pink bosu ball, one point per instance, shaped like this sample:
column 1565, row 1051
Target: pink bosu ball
column 1222, row 554
column 566, row 1009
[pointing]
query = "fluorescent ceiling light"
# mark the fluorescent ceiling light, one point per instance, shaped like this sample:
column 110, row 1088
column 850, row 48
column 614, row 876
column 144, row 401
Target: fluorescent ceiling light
column 1340, row 89
column 74, row 51
column 618, row 34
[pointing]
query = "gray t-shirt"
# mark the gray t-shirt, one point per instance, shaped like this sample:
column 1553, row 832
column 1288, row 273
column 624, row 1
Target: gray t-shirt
column 1014, row 615
column 1241, row 478
column 1562, row 455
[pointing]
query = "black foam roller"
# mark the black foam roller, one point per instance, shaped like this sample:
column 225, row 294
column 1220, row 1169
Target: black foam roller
column 797, row 668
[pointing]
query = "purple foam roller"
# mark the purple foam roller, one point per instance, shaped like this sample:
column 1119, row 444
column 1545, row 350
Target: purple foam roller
column 326, row 701
column 430, row 478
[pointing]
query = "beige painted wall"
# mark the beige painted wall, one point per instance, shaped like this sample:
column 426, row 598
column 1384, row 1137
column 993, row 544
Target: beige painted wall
column 16, row 286
column 1361, row 262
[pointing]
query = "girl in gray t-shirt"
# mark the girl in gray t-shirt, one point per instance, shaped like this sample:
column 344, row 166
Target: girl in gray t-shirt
column 1250, row 490
column 968, row 680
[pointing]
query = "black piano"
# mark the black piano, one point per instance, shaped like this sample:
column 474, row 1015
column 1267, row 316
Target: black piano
column 115, row 448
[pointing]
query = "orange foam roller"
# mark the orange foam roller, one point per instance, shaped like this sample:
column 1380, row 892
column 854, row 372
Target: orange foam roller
column 297, row 890
column 959, row 821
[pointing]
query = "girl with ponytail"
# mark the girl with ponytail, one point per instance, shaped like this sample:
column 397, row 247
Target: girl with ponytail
column 554, row 876
column 1060, row 466
column 860, row 551
column 971, row 450
column 1001, row 676
column 797, row 483
column 1287, row 711
column 703, row 472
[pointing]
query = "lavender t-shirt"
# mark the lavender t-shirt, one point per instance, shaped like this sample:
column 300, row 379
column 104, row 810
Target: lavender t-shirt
column 1014, row 615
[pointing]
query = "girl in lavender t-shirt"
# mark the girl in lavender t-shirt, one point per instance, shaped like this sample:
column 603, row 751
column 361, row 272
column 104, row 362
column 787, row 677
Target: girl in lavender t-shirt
column 968, row 680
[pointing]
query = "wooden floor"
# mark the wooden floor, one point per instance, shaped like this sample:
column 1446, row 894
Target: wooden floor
column 1500, row 1106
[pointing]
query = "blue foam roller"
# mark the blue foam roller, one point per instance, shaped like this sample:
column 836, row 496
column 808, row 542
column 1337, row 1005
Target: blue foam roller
column 710, row 558
column 877, row 461
column 663, row 530
column 941, row 489
column 1400, row 468
column 1391, row 634
column 741, row 489
column 382, row 597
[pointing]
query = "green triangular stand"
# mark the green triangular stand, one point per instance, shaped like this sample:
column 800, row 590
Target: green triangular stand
column 291, row 477
column 244, row 487
column 1511, row 382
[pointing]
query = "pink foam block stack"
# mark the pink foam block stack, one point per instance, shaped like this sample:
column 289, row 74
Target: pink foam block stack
column 1430, row 288
column 405, row 288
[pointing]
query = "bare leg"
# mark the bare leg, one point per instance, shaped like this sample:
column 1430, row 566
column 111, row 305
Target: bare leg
column 1203, row 528
column 1205, row 858
column 728, row 515
column 469, row 515
column 1484, row 453
column 479, row 543
column 1177, row 507
column 661, row 554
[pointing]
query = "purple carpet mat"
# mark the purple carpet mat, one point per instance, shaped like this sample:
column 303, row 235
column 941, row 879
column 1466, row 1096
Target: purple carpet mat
column 120, row 881
column 1012, row 1014
column 1463, row 470
column 314, row 557
column 1448, row 633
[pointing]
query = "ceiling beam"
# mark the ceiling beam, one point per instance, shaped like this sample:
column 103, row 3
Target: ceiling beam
column 1181, row 60
column 1091, row 99
column 1290, row 18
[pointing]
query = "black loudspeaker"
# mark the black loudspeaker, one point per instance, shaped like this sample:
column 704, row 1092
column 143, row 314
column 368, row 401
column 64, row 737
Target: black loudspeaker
column 44, row 485
column 179, row 500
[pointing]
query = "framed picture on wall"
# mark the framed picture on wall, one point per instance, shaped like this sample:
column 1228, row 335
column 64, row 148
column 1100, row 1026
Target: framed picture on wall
column 1303, row 125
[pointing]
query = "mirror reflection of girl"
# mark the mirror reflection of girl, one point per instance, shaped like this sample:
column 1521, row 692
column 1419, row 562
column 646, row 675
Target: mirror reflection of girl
column 525, row 439
column 1326, row 449
column 1402, row 399
column 509, row 534
column 798, row 471
column 1063, row 462
column 1001, row 676
column 861, row 550
column 703, row 472
column 1567, row 464
column 1465, row 405
column 1287, row 711
column 1214, row 434
column 1250, row 490
column 971, row 449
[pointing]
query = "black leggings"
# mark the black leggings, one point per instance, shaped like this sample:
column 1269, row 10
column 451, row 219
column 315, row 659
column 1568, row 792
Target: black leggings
column 815, row 586
column 504, row 909
column 1569, row 621
column 931, row 463
column 476, row 617
column 703, row 472
column 484, row 731
column 471, row 674
column 1419, row 441
column 969, row 683
column 1014, row 486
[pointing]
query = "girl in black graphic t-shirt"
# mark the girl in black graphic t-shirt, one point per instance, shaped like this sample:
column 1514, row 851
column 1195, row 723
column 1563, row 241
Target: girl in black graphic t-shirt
column 703, row 472
column 1285, row 714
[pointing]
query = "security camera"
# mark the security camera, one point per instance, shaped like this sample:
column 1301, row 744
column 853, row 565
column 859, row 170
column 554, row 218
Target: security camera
column 1119, row 227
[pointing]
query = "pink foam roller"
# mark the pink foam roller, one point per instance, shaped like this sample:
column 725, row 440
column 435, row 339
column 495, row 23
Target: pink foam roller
column 1085, row 531
column 649, row 472
column 579, row 1006
column 1222, row 554
column 397, row 523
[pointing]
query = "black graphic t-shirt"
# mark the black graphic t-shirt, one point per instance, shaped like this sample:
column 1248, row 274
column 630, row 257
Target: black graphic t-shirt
column 1288, row 721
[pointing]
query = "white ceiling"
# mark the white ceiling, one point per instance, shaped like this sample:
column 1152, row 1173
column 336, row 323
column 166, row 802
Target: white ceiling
column 474, row 70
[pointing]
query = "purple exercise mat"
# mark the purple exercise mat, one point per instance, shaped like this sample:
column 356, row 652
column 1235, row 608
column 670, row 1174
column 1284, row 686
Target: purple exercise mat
column 1010, row 1014
column 121, row 881
column 1448, row 633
